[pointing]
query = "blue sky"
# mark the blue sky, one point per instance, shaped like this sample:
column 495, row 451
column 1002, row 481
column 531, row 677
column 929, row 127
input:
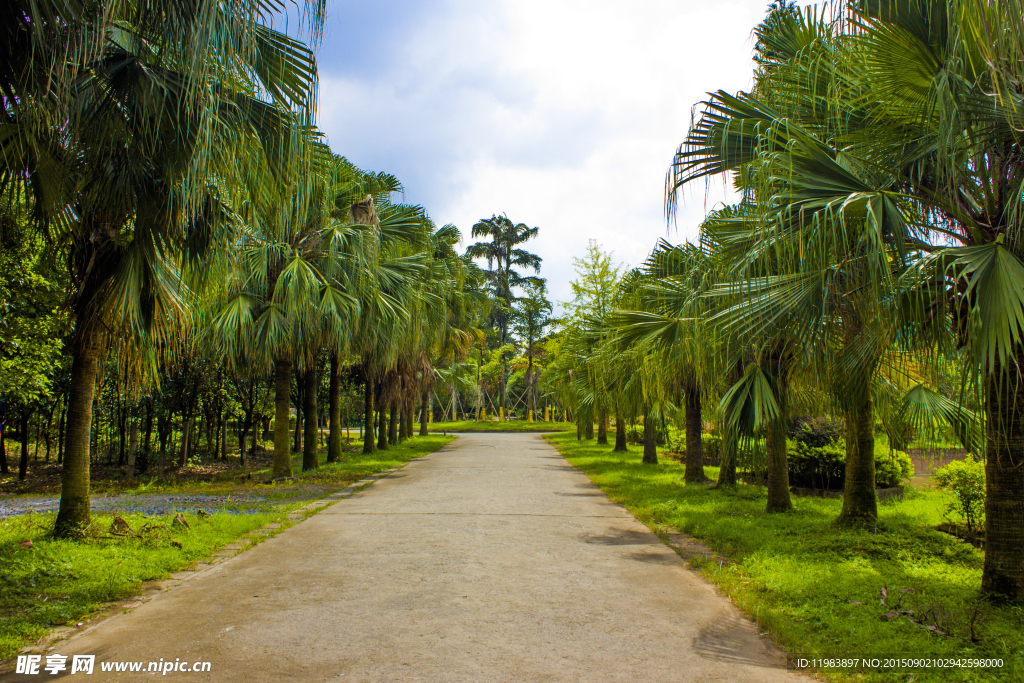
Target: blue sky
column 563, row 114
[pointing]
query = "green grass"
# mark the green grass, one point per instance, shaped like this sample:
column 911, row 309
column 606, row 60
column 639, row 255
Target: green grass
column 501, row 426
column 816, row 587
column 60, row 582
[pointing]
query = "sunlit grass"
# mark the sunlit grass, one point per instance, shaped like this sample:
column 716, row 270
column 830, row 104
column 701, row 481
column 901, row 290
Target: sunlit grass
column 817, row 587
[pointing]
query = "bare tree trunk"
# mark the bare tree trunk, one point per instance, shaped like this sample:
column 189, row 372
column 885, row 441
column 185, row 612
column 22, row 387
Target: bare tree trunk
column 589, row 426
column 26, row 415
column 1003, row 575
column 282, row 406
column 382, row 426
column 74, row 513
column 860, row 504
column 133, row 444
column 3, row 441
column 334, row 452
column 368, row 441
column 727, row 461
column 299, row 390
column 424, row 412
column 393, row 422
column 620, row 434
column 310, row 456
column 650, row 441
column 694, row 445
column 602, row 426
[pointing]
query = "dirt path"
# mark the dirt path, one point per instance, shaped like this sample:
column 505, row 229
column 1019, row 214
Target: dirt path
column 490, row 560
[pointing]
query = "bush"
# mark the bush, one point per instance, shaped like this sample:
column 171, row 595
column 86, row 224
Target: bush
column 817, row 432
column 966, row 480
column 891, row 467
column 824, row 467
column 711, row 446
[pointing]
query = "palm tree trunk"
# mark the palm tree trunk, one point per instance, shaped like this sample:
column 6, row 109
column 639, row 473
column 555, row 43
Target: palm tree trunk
column 424, row 412
column 1003, row 575
column 382, row 426
column 282, row 408
column 74, row 513
column 393, row 422
column 602, row 426
column 26, row 416
column 403, row 425
column 368, row 444
column 694, row 445
column 589, row 426
column 335, row 437
column 620, row 434
column 650, row 442
column 310, row 455
column 133, row 445
column 860, row 504
column 778, row 469
column 297, row 446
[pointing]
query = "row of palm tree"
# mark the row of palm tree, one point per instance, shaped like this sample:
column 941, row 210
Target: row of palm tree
column 166, row 153
column 876, row 244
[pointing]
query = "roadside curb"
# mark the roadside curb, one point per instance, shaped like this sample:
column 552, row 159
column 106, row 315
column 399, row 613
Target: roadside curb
column 229, row 551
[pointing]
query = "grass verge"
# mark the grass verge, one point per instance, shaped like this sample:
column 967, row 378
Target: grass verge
column 817, row 588
column 47, row 582
column 501, row 426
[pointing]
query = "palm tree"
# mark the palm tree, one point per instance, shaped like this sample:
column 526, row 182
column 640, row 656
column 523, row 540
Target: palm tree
column 504, row 256
column 128, row 167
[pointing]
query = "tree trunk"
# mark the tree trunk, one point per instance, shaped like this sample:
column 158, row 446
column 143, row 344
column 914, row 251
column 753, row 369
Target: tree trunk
column 74, row 513
column 694, row 445
column 393, row 422
column 402, row 426
column 26, row 415
column 224, row 437
column 650, row 441
column 164, row 426
column 778, row 469
column 424, row 412
column 602, row 426
column 368, row 441
column 620, row 434
column 334, row 452
column 1003, row 575
column 299, row 391
column 133, row 445
column 3, row 444
column 588, row 425
column 282, row 406
column 60, row 432
column 382, row 443
column 310, row 455
column 860, row 505
column 186, row 437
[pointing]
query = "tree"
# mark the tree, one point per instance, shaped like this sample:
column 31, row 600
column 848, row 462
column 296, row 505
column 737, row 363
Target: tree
column 504, row 257
column 532, row 317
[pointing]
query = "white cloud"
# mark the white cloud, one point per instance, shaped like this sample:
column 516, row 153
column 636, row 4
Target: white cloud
column 563, row 114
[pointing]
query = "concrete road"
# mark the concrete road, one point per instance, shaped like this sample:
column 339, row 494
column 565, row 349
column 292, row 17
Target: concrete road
column 491, row 560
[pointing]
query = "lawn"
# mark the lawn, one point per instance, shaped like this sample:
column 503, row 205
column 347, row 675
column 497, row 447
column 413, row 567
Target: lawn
column 501, row 426
column 46, row 582
column 819, row 589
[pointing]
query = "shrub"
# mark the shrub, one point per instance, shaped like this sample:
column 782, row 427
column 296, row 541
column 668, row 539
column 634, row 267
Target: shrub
column 966, row 480
column 711, row 445
column 817, row 432
column 824, row 467
column 891, row 467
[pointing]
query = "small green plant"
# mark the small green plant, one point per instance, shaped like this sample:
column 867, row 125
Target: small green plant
column 965, row 479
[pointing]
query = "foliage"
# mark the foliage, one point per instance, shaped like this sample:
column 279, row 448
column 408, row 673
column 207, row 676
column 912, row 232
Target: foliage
column 965, row 479
column 824, row 467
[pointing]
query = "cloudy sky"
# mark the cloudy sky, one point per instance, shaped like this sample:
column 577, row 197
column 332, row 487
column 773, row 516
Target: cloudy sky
column 562, row 114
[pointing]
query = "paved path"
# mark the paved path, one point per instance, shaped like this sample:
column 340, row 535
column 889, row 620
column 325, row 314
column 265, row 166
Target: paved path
column 491, row 560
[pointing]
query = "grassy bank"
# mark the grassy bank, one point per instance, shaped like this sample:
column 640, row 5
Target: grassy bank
column 818, row 589
column 46, row 582
column 501, row 426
